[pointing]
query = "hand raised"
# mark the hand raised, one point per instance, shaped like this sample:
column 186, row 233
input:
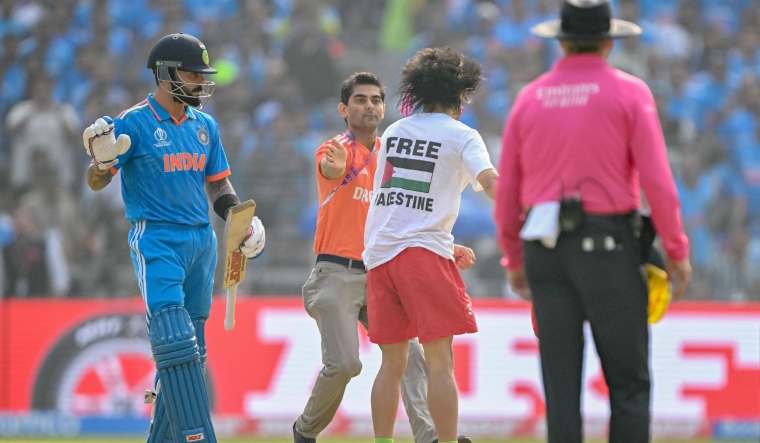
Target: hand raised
column 336, row 155
column 101, row 143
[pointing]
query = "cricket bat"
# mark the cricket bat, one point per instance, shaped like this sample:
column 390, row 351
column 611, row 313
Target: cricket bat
column 235, row 230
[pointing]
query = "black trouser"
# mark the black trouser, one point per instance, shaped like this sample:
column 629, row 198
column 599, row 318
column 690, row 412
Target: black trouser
column 606, row 288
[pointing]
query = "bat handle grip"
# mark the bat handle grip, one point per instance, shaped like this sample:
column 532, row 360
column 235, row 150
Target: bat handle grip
column 229, row 319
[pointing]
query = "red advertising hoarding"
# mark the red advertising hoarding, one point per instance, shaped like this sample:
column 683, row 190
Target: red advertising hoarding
column 92, row 358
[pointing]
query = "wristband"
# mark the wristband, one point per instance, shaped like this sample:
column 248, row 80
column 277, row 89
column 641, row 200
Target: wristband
column 225, row 202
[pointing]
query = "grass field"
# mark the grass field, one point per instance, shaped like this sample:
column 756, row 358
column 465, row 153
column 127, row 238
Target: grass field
column 324, row 440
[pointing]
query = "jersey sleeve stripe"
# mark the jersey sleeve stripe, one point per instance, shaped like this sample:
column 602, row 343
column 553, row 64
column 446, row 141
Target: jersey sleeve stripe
column 219, row 176
column 142, row 103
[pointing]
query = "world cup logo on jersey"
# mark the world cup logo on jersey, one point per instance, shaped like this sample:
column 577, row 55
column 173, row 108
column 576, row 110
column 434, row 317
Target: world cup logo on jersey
column 160, row 136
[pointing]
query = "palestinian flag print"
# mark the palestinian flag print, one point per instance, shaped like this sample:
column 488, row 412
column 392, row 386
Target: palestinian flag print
column 407, row 173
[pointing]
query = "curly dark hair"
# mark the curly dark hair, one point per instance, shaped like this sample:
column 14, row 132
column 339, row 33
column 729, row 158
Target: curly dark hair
column 434, row 78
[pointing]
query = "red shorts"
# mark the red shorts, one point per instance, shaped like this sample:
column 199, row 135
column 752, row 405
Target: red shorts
column 417, row 294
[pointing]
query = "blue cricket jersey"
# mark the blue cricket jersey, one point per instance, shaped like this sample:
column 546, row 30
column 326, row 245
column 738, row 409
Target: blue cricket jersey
column 164, row 171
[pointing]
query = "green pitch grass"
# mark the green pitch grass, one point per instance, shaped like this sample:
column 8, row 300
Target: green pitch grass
column 322, row 440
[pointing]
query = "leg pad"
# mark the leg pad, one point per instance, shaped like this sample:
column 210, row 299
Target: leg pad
column 183, row 390
column 199, row 325
column 160, row 428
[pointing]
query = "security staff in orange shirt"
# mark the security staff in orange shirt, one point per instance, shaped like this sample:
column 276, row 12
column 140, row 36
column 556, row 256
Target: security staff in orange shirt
column 335, row 294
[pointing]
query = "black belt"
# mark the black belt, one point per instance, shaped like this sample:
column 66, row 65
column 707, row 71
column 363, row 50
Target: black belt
column 632, row 219
column 347, row 262
column 624, row 217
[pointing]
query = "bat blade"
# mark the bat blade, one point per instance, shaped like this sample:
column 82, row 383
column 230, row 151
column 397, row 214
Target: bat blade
column 235, row 230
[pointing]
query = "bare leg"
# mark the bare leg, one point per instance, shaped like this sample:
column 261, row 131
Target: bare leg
column 443, row 399
column 385, row 390
column 414, row 386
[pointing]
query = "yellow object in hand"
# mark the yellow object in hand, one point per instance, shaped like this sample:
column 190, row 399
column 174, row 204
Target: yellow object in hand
column 659, row 292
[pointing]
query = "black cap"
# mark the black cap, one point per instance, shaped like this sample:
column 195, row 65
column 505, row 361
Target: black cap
column 181, row 51
column 586, row 19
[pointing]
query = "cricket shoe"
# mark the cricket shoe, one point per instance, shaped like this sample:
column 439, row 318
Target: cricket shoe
column 298, row 438
column 460, row 439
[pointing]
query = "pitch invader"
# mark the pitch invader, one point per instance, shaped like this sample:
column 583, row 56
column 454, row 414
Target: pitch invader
column 172, row 164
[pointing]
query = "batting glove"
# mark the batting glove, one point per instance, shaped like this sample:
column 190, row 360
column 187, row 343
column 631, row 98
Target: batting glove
column 101, row 143
column 253, row 244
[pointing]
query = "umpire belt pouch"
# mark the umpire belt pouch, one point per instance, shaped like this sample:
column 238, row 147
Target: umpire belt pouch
column 542, row 224
column 646, row 236
column 571, row 214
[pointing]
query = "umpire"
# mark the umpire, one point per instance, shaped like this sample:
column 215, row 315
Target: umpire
column 579, row 143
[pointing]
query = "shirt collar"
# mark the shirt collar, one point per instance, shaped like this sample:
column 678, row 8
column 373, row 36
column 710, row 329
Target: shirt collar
column 161, row 114
column 580, row 61
column 353, row 139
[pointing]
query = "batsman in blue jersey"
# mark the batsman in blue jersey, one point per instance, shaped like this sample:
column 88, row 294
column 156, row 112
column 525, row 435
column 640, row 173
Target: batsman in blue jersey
column 172, row 164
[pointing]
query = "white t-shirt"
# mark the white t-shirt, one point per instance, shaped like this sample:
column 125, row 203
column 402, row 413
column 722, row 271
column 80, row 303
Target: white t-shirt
column 57, row 122
column 424, row 163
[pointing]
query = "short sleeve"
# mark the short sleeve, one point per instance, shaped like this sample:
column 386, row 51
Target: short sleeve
column 18, row 114
column 123, row 127
column 217, row 166
column 475, row 158
column 321, row 152
column 70, row 117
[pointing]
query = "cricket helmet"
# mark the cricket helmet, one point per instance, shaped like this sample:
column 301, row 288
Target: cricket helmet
column 182, row 52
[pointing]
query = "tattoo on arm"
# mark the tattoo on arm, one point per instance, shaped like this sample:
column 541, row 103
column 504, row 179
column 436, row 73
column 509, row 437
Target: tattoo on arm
column 219, row 188
column 97, row 179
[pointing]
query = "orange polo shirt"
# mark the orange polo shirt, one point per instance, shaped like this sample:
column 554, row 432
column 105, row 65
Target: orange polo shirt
column 340, row 222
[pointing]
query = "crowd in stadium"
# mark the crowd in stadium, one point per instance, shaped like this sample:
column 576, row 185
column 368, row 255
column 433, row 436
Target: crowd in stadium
column 68, row 62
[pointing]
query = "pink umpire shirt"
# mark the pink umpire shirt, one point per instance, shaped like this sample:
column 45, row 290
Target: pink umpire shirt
column 585, row 128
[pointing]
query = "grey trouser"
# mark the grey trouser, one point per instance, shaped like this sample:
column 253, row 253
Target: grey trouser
column 336, row 297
